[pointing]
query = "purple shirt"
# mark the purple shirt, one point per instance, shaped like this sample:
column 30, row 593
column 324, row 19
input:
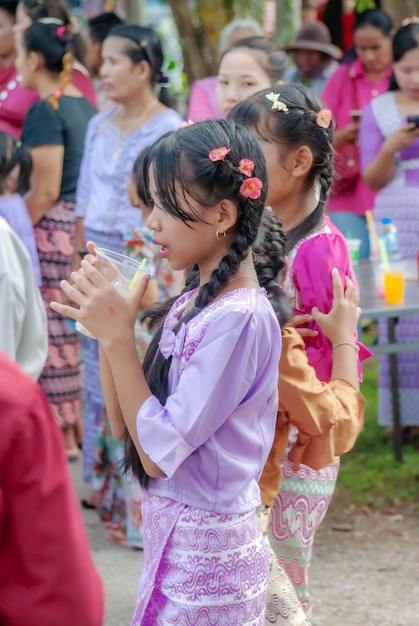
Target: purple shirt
column 101, row 196
column 213, row 436
column 347, row 89
column 14, row 210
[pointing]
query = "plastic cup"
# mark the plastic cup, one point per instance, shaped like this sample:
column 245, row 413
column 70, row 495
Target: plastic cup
column 393, row 286
column 120, row 270
column 354, row 246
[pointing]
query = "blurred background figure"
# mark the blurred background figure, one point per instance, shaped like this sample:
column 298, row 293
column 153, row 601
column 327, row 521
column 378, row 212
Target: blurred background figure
column 98, row 28
column 315, row 57
column 339, row 17
column 23, row 321
column 247, row 66
column 133, row 79
column 202, row 100
column 15, row 99
column 47, row 575
column 309, row 11
column 54, row 131
column 56, row 12
column 351, row 88
column 389, row 147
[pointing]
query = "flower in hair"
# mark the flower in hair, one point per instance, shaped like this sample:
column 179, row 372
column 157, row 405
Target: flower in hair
column 251, row 188
column 324, row 117
column 219, row 154
column 277, row 104
column 246, row 167
column 60, row 32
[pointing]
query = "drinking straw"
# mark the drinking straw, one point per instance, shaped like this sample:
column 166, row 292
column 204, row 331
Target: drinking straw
column 383, row 253
column 137, row 274
column 374, row 245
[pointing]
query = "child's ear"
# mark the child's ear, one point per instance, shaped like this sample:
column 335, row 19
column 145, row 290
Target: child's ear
column 226, row 216
column 303, row 161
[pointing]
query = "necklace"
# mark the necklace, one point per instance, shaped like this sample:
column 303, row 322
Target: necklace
column 191, row 305
column 130, row 128
column 11, row 85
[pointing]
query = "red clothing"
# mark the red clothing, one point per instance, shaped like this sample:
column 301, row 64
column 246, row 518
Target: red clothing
column 15, row 100
column 47, row 576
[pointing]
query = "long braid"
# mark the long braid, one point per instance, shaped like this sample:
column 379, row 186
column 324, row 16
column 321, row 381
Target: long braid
column 182, row 169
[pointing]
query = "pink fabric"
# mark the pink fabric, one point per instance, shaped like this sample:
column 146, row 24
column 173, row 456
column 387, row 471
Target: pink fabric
column 202, row 102
column 338, row 95
column 18, row 102
column 82, row 81
column 309, row 284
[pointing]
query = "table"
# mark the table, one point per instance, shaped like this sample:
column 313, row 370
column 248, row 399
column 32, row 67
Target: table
column 374, row 307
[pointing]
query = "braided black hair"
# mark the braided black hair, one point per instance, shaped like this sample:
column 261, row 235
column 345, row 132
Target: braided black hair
column 296, row 128
column 181, row 168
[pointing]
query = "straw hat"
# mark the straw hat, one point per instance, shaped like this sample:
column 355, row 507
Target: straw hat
column 315, row 36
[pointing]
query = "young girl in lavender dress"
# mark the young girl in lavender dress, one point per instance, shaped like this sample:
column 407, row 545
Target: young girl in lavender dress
column 296, row 137
column 202, row 415
column 390, row 161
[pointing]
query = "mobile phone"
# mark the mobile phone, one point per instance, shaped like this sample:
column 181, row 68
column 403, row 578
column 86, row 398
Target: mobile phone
column 413, row 119
column 355, row 115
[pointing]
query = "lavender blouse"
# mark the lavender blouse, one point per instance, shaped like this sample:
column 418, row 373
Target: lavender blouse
column 106, row 166
column 213, row 436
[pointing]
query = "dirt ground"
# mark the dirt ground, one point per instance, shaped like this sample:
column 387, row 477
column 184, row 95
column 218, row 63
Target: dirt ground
column 365, row 567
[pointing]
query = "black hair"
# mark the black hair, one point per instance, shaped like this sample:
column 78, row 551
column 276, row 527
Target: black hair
column 52, row 42
column 377, row 18
column 181, row 168
column 405, row 39
column 38, row 10
column 269, row 55
column 13, row 153
column 10, row 7
column 333, row 15
column 143, row 44
column 138, row 176
column 100, row 25
column 291, row 129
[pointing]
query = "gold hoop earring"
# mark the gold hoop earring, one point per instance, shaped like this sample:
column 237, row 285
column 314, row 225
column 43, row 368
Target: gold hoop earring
column 221, row 235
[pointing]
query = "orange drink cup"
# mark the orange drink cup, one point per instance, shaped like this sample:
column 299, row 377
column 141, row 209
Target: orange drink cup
column 393, row 286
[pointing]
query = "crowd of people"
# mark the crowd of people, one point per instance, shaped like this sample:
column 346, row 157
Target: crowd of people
column 209, row 406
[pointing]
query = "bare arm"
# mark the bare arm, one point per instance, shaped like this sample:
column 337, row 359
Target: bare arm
column 47, row 172
column 380, row 171
column 339, row 326
column 113, row 408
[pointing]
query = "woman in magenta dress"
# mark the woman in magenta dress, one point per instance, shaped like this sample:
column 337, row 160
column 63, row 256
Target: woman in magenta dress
column 390, row 161
column 296, row 138
column 350, row 88
column 201, row 419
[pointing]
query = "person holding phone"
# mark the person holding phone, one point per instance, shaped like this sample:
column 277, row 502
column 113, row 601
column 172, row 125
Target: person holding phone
column 389, row 145
column 350, row 89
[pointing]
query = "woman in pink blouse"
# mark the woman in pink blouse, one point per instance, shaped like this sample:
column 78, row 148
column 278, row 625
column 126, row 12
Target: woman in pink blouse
column 351, row 88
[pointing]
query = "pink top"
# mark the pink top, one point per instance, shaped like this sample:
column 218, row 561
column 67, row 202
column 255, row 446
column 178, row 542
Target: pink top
column 347, row 89
column 309, row 284
column 202, row 102
column 15, row 100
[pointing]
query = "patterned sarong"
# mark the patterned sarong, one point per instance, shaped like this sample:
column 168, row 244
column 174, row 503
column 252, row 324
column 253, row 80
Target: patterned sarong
column 200, row 567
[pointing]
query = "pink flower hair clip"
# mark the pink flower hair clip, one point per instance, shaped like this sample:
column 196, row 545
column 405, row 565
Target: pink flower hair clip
column 251, row 188
column 219, row 154
column 60, row 32
column 246, row 167
column 324, row 118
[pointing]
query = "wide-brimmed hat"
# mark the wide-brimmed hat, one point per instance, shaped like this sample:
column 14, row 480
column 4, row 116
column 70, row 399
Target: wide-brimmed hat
column 315, row 36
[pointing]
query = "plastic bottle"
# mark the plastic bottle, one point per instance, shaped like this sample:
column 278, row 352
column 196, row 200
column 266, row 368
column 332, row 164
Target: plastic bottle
column 391, row 238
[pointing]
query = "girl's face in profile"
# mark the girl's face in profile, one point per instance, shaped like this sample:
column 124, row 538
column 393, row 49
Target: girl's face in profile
column 240, row 75
column 406, row 72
